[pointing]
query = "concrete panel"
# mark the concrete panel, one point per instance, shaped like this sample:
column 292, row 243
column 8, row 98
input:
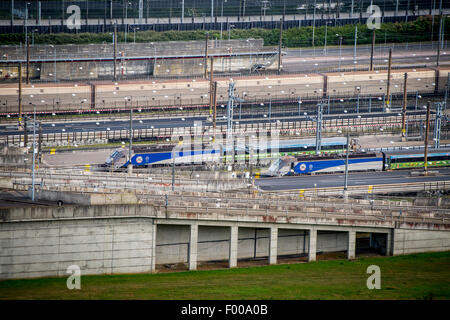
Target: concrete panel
column 172, row 244
column 414, row 241
column 233, row 246
column 312, row 245
column 273, row 246
column 193, row 247
column 104, row 246
column 351, row 245
column 213, row 243
column 292, row 242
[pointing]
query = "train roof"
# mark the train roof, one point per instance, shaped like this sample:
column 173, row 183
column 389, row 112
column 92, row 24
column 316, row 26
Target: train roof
column 306, row 142
column 417, row 152
column 281, row 144
column 338, row 156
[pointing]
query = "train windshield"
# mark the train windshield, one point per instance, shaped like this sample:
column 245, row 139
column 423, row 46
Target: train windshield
column 275, row 165
column 114, row 154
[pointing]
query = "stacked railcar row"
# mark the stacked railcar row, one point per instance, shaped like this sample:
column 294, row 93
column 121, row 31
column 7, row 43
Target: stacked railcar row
column 188, row 93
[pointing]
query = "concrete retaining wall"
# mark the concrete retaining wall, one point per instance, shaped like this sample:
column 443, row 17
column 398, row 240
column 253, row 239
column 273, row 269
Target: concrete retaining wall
column 44, row 241
column 415, row 241
column 37, row 249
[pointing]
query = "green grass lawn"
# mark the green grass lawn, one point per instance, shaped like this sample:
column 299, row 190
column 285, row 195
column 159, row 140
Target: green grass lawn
column 418, row 276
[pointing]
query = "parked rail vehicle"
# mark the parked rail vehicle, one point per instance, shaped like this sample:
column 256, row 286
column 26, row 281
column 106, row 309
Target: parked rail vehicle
column 375, row 161
column 164, row 94
column 161, row 155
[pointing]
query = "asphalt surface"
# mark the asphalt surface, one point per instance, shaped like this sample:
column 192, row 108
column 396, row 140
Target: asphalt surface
column 305, row 60
column 104, row 125
column 354, row 179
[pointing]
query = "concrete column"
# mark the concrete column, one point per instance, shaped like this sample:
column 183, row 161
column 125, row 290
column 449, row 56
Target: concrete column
column 273, row 245
column 389, row 243
column 312, row 245
column 153, row 249
column 193, row 247
column 351, row 244
column 233, row 246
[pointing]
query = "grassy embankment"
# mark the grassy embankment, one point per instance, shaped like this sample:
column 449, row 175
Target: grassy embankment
column 418, row 276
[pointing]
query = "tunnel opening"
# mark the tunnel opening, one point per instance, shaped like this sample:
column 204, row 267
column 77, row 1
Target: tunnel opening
column 370, row 244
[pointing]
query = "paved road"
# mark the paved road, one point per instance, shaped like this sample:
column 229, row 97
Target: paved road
column 354, row 179
column 105, row 125
column 305, row 60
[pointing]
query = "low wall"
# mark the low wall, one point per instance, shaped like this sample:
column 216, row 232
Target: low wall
column 97, row 246
column 86, row 199
column 6, row 183
column 415, row 241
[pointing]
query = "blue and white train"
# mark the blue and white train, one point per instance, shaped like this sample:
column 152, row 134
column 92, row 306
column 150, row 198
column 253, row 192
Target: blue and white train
column 160, row 155
column 375, row 161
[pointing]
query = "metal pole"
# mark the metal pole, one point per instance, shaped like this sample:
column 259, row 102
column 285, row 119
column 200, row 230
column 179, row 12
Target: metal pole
column 26, row 20
column 206, row 56
column 299, row 103
column 439, row 43
column 20, row 93
column 130, row 165
column 351, row 9
column 270, row 108
column 173, row 169
column 319, row 128
column 182, row 11
column 28, row 60
column 314, row 22
column 405, row 96
column 325, row 47
column 279, row 45
column 356, row 37
column 340, row 52
column 39, row 159
column 115, row 51
column 346, row 162
column 357, row 105
column 417, row 98
column 388, row 89
column 54, row 64
column 126, row 20
column 34, row 154
column 437, row 126
column 446, row 91
column 426, row 137
column 211, row 86
column 12, row 12
column 212, row 11
column 371, row 50
column 25, row 133
column 215, row 109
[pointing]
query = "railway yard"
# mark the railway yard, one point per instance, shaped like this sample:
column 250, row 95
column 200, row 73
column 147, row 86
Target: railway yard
column 112, row 164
